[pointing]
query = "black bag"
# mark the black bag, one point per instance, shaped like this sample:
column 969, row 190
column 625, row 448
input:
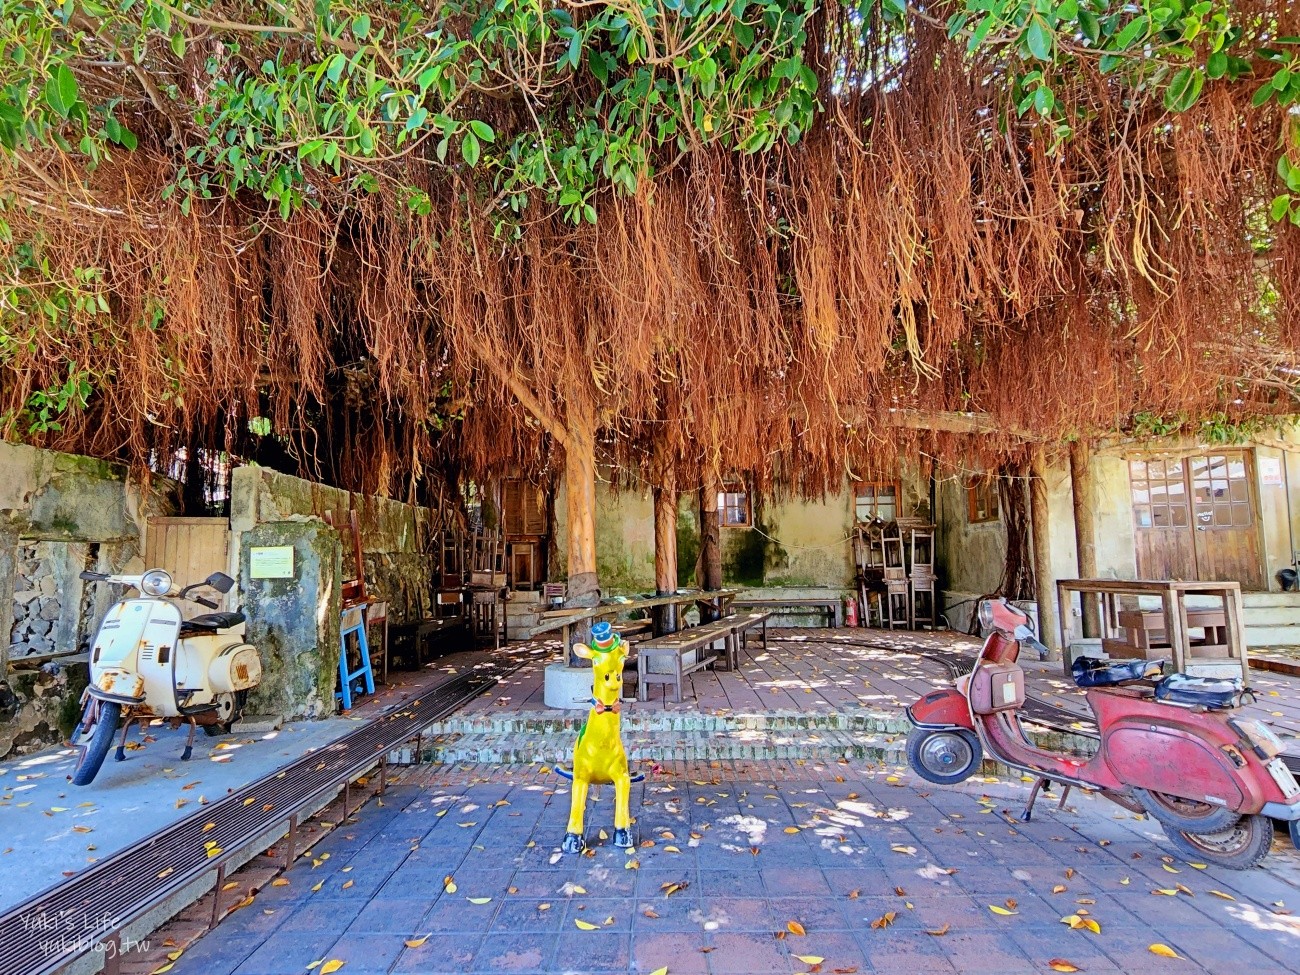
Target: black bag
column 1096, row 672
column 1209, row 692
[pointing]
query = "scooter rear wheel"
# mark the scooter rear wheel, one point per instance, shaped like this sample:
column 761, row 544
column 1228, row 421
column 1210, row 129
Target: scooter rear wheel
column 946, row 756
column 1186, row 814
column 1240, row 847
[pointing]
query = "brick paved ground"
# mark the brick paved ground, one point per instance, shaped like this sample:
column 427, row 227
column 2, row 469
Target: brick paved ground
column 751, row 848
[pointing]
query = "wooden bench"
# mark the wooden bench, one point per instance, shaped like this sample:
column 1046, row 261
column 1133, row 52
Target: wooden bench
column 663, row 659
column 833, row 606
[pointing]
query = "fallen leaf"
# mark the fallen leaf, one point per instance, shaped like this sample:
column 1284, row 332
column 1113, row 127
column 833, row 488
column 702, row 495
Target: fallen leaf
column 575, row 889
column 1059, row 889
column 660, row 971
column 1164, row 951
column 160, row 971
column 792, row 829
column 1061, row 965
column 318, row 886
column 899, row 892
column 1069, row 872
column 280, row 882
column 249, row 801
column 854, row 894
column 584, row 925
column 480, row 900
column 794, row 927
column 416, row 942
column 885, row 920
column 333, row 965
column 1198, row 866
column 231, row 886
column 348, row 884
column 938, row 932
column 1169, row 868
column 449, row 885
column 1226, row 897
column 906, row 850
column 671, row 849
column 166, row 870
column 632, row 864
column 208, row 826
column 1166, row 891
column 1001, row 910
column 811, row 959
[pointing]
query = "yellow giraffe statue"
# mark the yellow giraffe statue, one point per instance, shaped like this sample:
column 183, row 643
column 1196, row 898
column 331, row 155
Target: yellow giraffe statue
column 598, row 756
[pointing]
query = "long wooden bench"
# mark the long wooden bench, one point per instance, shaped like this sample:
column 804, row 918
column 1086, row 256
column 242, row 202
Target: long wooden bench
column 663, row 659
column 832, row 606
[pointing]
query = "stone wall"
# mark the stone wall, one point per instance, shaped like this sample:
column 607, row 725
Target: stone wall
column 59, row 514
column 397, row 540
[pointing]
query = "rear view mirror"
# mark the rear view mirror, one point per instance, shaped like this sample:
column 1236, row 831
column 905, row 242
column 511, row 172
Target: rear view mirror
column 220, row 582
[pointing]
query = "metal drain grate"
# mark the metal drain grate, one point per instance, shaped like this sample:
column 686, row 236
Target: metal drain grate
column 87, row 912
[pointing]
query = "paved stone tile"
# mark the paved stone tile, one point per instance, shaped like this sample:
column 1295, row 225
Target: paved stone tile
column 736, row 903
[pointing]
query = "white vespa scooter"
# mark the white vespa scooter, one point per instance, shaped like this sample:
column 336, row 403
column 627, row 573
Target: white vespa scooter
column 146, row 660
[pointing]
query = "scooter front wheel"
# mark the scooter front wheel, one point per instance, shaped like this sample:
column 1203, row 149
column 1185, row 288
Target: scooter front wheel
column 99, row 722
column 945, row 756
column 1240, row 847
column 1191, row 815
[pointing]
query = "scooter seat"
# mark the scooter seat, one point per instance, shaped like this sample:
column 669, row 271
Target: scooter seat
column 1095, row 672
column 211, row 622
column 1214, row 693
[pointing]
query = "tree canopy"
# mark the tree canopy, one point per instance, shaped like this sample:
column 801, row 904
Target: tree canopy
column 738, row 234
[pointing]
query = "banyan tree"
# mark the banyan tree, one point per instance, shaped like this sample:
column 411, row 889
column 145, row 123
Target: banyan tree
column 403, row 241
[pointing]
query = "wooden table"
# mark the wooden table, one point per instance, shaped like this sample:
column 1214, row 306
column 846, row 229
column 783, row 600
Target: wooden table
column 1173, row 600
column 565, row 619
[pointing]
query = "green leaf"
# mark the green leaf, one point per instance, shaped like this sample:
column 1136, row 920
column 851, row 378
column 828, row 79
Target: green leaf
column 1216, row 65
column 178, row 44
column 1136, row 28
column 1281, row 204
column 1044, row 100
column 1265, row 92
column 1039, row 38
column 441, row 149
column 335, row 71
column 469, row 148
column 1090, row 26
column 417, row 119
column 1184, row 89
column 361, row 27
column 482, row 130
column 61, row 90
column 570, row 197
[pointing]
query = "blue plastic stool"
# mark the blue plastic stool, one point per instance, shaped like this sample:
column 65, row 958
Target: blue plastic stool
column 354, row 621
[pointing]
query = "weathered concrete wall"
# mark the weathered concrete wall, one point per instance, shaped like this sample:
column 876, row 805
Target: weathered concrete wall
column 294, row 623
column 59, row 514
column 396, row 538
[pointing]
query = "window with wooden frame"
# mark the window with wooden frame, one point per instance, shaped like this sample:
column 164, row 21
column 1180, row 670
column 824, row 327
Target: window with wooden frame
column 523, row 507
column 982, row 499
column 875, row 500
column 733, row 507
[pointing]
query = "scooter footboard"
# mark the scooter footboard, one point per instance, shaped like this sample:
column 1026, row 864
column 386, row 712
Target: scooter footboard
column 941, row 709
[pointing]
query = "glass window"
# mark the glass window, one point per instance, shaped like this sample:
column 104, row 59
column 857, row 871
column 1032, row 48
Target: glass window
column 733, row 509
column 877, row 500
column 982, row 500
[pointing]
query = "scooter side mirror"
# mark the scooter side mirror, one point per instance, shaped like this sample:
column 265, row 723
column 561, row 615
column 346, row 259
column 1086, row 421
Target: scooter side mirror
column 220, row 582
column 89, row 576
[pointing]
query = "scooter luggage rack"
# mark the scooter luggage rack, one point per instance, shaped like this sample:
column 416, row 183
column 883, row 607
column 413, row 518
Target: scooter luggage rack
column 112, row 895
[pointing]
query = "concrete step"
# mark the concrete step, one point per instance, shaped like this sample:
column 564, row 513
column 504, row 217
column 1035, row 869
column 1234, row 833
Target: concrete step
column 667, row 722
column 1264, row 616
column 1273, row 636
column 1251, row 600
column 558, row 749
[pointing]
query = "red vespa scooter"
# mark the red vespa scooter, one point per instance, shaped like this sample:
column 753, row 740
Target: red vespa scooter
column 1173, row 746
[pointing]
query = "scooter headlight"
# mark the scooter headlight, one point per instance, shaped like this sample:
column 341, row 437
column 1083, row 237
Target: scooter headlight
column 986, row 614
column 156, row 582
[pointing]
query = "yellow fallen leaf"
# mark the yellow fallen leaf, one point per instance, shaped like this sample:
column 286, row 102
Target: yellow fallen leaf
column 1061, row 965
column 792, row 829
column 1124, row 881
column 164, row 872
column 1198, row 866
column 1059, row 889
column 794, row 927
column 938, row 932
column 348, row 884
column 209, row 826
column 584, row 925
column 1169, row 868
column 578, row 890
column 416, row 942
column 671, row 849
column 1166, row 891
column 280, row 882
column 885, row 920
column 249, row 801
column 449, row 886
column 480, row 900
column 632, row 864
column 1164, row 951
column 231, row 886
column 333, row 965
column 1226, row 897
column 811, row 959
column 214, row 851
column 1001, row 910
column 166, row 968
column 906, row 850
column 319, row 885
column 660, row 971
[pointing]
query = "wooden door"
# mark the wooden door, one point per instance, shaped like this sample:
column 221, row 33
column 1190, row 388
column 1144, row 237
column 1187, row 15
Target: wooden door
column 1194, row 518
column 191, row 549
column 1223, row 516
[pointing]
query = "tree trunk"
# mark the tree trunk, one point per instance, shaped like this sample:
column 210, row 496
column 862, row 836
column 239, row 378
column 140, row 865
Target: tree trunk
column 1085, row 529
column 580, row 501
column 1038, row 520
column 708, row 570
column 665, row 496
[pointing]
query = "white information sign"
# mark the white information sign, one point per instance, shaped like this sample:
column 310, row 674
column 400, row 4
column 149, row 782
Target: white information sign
column 270, row 562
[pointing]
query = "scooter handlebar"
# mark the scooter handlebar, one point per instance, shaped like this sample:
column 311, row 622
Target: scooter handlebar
column 89, row 576
column 202, row 601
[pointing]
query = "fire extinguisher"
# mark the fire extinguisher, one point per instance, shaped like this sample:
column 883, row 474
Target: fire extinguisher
column 850, row 611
